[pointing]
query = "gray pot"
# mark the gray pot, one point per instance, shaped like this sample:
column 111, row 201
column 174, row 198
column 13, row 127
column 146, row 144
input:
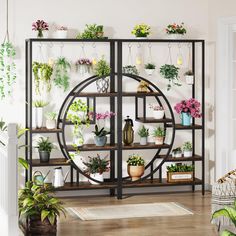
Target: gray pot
column 143, row 140
column 100, row 141
column 44, row 156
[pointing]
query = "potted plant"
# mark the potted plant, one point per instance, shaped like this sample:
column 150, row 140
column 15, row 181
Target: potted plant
column 129, row 69
column 179, row 173
column 157, row 111
column 143, row 133
column 143, row 87
column 176, row 31
column 136, row 166
column 40, row 26
column 188, row 109
column 170, row 73
column 44, row 147
column 177, row 152
column 102, row 70
column 189, row 77
column 37, row 113
column 188, row 149
column 84, row 65
column 38, row 209
column 149, row 68
column 61, row 32
column 92, row 31
column 42, row 76
column 96, row 166
column 159, row 135
column 61, row 77
column 51, row 120
column 141, row 31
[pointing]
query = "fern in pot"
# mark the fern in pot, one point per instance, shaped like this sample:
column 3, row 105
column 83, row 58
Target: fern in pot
column 44, row 147
column 150, row 68
column 159, row 135
column 188, row 149
column 143, row 133
column 136, row 166
column 51, row 120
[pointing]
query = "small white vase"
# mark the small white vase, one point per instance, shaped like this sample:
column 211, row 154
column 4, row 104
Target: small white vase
column 96, row 176
column 159, row 114
column 159, row 140
column 61, row 34
column 39, row 117
column 143, row 140
column 189, row 79
column 188, row 153
column 51, row 124
column 149, row 71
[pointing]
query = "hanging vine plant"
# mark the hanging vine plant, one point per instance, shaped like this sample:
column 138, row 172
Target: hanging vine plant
column 61, row 68
column 42, row 76
column 7, row 68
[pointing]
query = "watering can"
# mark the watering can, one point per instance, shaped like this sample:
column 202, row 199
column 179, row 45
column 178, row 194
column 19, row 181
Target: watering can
column 58, row 178
column 38, row 177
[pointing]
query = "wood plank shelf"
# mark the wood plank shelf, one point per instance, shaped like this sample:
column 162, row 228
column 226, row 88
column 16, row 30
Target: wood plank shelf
column 153, row 120
column 52, row 162
column 92, row 147
column 179, row 159
column 94, row 94
column 136, row 94
column 148, row 146
column 182, row 127
column 45, row 130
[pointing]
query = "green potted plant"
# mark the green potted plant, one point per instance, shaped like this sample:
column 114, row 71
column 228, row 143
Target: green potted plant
column 141, row 31
column 176, row 31
column 136, row 166
column 51, row 120
column 102, row 70
column 100, row 137
column 143, row 133
column 188, row 149
column 96, row 166
column 44, row 147
column 37, row 113
column 149, row 68
column 129, row 69
column 157, row 111
column 179, row 173
column 39, row 209
column 170, row 73
column 177, row 152
column 189, row 77
column 92, row 31
column 159, row 135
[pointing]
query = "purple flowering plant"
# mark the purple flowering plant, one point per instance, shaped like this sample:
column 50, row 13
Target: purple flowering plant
column 40, row 26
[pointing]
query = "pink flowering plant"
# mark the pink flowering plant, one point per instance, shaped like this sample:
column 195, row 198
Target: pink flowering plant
column 63, row 28
column 84, row 65
column 156, row 107
column 40, row 26
column 191, row 106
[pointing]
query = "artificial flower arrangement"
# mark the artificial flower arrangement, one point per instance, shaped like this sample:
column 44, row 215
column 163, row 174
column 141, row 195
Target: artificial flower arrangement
column 84, row 65
column 176, row 29
column 141, row 31
column 40, row 26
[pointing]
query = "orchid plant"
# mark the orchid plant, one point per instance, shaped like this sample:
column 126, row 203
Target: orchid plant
column 40, row 26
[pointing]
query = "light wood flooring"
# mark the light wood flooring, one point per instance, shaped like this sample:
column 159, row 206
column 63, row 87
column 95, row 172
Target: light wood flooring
column 193, row 225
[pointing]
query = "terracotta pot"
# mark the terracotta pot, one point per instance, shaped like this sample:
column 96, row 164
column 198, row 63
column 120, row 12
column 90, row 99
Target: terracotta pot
column 135, row 172
column 159, row 140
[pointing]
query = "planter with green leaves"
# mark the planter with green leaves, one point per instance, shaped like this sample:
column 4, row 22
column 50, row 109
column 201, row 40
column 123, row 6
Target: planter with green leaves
column 96, row 166
column 39, row 209
column 100, row 137
column 37, row 113
column 51, row 120
column 170, row 73
column 150, row 68
column 136, row 166
column 102, row 69
column 177, row 152
column 44, row 147
column 129, row 69
column 176, row 31
column 189, row 77
column 179, row 173
column 188, row 149
column 141, row 31
column 143, row 133
column 92, row 31
column 159, row 135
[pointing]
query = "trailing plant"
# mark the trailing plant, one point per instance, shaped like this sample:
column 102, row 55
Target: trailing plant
column 189, row 73
column 141, row 30
column 100, row 132
column 143, row 132
column 171, row 73
column 159, row 132
column 39, row 103
column 61, row 68
column 150, row 66
column 176, row 150
column 129, row 69
column 42, row 76
column 92, row 31
column 37, row 201
column 51, row 115
column 135, row 160
column 102, row 68
column 7, row 68
column 40, row 26
column 180, row 168
column 97, row 165
column 187, row 146
column 43, row 144
column 176, row 29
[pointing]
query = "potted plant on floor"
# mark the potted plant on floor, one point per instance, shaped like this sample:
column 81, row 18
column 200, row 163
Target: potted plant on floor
column 92, row 31
column 177, row 152
column 136, row 166
column 37, row 113
column 102, row 69
column 40, row 26
column 188, row 149
column 189, row 77
column 130, row 69
column 96, row 166
column 84, row 65
column 188, row 109
column 143, row 133
column 170, row 73
column 61, row 32
column 157, row 111
column 176, row 31
column 159, row 135
column 51, row 120
column 38, row 209
column 141, row 31
column 179, row 173
column 44, row 147
column 150, row 68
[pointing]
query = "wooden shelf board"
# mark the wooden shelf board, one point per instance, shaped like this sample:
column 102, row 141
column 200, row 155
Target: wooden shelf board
column 45, row 130
column 94, row 94
column 92, row 147
column 181, row 127
column 52, row 162
column 136, row 94
column 153, row 120
column 148, row 146
column 179, row 159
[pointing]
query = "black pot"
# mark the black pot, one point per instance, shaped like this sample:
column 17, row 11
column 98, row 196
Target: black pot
column 44, row 156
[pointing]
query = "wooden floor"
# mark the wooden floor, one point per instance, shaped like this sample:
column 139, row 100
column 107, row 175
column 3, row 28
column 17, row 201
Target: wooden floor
column 194, row 225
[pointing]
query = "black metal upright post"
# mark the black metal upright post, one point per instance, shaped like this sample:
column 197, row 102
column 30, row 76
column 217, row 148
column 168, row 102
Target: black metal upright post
column 193, row 96
column 203, row 118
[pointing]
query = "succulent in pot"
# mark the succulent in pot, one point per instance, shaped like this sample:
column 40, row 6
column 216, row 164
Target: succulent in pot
column 100, row 137
column 51, row 120
column 141, row 31
column 44, row 147
column 149, row 68
column 61, row 32
column 37, row 113
column 188, row 149
column 96, row 166
column 157, row 111
column 177, row 152
column 40, row 26
column 136, row 166
column 189, row 77
column 143, row 133
column 159, row 135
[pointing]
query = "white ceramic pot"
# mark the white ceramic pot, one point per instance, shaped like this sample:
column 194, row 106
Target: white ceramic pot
column 39, row 117
column 177, row 154
column 149, row 71
column 143, row 140
column 188, row 153
column 141, row 37
column 159, row 140
column 175, row 36
column 34, row 111
column 79, row 161
column 189, row 79
column 158, row 114
column 96, row 176
column 61, row 34
column 51, row 124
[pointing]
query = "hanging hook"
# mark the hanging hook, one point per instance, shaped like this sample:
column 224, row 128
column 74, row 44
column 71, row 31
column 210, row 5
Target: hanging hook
column 61, row 48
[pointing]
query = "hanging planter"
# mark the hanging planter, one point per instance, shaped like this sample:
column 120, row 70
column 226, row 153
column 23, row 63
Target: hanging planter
column 84, row 66
column 150, row 68
column 189, row 77
column 40, row 26
column 129, row 69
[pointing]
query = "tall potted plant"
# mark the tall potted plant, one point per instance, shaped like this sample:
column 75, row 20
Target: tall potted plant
column 159, row 135
column 136, row 166
column 44, row 147
column 143, row 133
column 37, row 116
